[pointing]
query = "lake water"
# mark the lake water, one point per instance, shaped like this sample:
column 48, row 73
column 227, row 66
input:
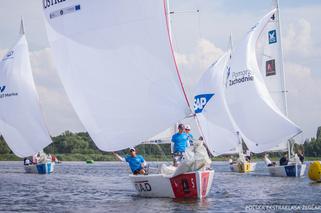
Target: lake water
column 105, row 187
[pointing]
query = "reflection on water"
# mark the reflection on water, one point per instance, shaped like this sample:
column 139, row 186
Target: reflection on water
column 105, row 186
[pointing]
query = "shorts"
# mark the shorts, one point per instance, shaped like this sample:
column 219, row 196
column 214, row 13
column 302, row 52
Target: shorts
column 136, row 172
column 178, row 157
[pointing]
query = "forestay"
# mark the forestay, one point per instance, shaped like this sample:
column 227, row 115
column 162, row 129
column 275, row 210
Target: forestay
column 21, row 121
column 211, row 110
column 262, row 123
column 116, row 63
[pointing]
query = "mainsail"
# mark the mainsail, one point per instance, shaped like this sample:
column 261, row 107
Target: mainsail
column 270, row 60
column 269, row 56
column 21, row 120
column 117, row 66
column 261, row 122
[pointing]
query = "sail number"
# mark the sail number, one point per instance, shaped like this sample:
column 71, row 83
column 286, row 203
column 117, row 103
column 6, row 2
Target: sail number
column 143, row 186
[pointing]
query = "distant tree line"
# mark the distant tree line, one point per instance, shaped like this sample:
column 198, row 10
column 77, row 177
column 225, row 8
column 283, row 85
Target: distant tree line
column 312, row 147
column 82, row 146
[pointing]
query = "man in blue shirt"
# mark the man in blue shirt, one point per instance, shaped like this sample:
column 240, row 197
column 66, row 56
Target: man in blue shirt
column 136, row 162
column 180, row 142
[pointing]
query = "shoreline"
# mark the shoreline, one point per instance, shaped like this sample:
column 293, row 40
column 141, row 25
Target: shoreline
column 109, row 157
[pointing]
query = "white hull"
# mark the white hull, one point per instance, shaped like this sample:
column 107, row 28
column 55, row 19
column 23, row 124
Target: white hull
column 295, row 170
column 44, row 168
column 187, row 185
column 243, row 167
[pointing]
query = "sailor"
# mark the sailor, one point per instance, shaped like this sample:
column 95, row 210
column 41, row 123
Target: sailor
column 136, row 162
column 231, row 161
column 189, row 135
column 26, row 161
column 268, row 162
column 248, row 155
column 179, row 142
column 284, row 160
column 300, row 155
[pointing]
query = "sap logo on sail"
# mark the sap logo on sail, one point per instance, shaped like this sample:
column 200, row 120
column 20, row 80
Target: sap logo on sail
column 2, row 88
column 272, row 37
column 143, row 186
column 49, row 3
column 200, row 102
column 241, row 77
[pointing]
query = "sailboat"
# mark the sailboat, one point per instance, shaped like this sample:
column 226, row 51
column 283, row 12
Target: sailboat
column 118, row 69
column 21, row 120
column 270, row 60
column 218, row 127
column 236, row 102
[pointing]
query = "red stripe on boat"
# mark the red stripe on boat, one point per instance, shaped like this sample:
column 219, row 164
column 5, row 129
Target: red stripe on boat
column 184, row 186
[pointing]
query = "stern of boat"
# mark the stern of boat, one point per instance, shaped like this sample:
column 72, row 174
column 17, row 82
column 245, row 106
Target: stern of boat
column 44, row 168
column 295, row 170
column 188, row 185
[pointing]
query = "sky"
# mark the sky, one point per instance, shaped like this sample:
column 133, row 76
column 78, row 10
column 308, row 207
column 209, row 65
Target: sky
column 199, row 38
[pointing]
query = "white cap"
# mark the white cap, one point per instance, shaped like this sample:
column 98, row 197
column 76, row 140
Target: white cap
column 188, row 127
column 132, row 149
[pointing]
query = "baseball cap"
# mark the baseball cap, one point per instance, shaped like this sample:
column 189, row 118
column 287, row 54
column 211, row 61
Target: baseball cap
column 188, row 127
column 132, row 149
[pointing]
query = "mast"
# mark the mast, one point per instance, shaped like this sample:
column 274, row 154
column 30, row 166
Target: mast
column 230, row 42
column 22, row 28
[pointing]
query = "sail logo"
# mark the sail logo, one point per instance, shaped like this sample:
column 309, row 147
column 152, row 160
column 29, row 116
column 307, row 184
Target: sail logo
column 65, row 11
column 6, row 95
column 49, row 3
column 270, row 67
column 200, row 102
column 272, row 37
column 2, row 88
column 240, row 77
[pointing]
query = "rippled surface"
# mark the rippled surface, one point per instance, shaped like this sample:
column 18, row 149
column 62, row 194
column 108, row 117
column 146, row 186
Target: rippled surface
column 105, row 186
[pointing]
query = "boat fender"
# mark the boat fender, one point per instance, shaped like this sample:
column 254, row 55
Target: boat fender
column 315, row 171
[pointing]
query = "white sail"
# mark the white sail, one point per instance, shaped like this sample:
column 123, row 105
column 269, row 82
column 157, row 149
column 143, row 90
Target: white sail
column 269, row 56
column 261, row 122
column 211, row 110
column 117, row 66
column 21, row 121
column 165, row 135
column 270, row 60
